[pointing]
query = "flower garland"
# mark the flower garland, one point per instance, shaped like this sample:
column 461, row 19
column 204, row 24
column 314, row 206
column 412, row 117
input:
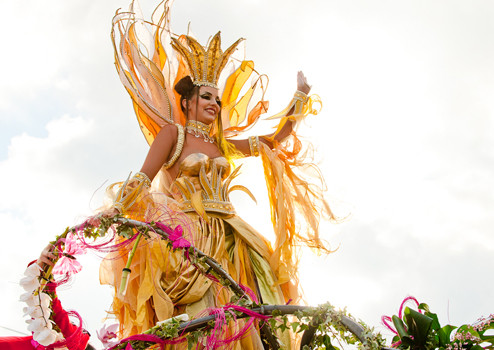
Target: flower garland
column 331, row 322
column 328, row 319
column 243, row 305
column 38, row 308
column 412, row 328
column 40, row 323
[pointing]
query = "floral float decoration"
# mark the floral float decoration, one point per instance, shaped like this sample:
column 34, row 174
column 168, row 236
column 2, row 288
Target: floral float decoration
column 420, row 329
column 322, row 327
column 39, row 291
column 38, row 308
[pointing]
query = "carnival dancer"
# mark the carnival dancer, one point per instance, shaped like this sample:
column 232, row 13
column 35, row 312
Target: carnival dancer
column 188, row 102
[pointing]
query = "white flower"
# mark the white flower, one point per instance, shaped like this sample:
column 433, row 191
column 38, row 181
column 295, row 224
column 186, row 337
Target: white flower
column 32, row 270
column 38, row 324
column 33, row 311
column 60, row 338
column 28, row 298
column 29, row 283
column 44, row 299
column 46, row 337
column 38, row 308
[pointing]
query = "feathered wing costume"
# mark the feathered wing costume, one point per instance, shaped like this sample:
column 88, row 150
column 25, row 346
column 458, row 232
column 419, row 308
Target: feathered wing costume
column 150, row 60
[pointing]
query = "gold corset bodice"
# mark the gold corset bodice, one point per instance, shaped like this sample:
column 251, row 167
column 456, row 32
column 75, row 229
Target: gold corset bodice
column 192, row 164
column 203, row 184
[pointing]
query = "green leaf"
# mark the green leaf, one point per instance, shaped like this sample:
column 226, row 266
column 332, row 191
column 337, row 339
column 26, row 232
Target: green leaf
column 407, row 342
column 327, row 342
column 487, row 338
column 272, row 323
column 445, row 334
column 125, row 231
column 276, row 313
column 294, row 326
column 419, row 326
column 435, row 321
column 476, row 347
column 424, row 306
column 400, row 326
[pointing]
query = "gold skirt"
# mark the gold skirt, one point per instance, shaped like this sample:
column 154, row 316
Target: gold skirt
column 164, row 284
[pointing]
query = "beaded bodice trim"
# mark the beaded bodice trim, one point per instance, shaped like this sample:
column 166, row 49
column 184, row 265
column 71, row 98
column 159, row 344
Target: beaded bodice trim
column 178, row 148
column 204, row 185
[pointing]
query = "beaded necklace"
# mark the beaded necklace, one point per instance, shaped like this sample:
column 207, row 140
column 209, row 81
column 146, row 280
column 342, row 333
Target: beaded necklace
column 199, row 129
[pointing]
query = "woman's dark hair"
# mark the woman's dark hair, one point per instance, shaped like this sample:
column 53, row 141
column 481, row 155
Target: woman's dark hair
column 186, row 89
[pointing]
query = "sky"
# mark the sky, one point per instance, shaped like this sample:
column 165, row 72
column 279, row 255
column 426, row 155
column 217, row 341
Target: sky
column 404, row 141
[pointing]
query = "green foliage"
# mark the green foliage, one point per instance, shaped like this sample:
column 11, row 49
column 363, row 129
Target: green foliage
column 423, row 331
column 330, row 329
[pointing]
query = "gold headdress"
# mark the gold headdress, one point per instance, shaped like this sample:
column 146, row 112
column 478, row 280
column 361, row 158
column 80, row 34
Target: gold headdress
column 205, row 64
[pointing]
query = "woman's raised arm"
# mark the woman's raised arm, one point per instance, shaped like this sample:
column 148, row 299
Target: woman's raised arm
column 247, row 147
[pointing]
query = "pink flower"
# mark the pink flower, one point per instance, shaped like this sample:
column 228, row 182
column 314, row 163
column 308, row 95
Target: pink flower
column 175, row 235
column 107, row 335
column 177, row 238
column 68, row 264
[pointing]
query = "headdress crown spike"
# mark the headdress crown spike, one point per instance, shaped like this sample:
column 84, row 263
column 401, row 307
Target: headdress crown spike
column 205, row 64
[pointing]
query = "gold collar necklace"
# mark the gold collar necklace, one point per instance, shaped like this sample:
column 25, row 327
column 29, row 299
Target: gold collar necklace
column 199, row 129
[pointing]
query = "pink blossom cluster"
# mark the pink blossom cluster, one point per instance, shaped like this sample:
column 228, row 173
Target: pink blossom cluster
column 462, row 338
column 483, row 322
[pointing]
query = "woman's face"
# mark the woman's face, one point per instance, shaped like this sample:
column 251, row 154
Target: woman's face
column 205, row 105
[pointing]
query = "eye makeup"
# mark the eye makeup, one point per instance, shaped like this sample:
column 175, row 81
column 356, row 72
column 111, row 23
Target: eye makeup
column 208, row 96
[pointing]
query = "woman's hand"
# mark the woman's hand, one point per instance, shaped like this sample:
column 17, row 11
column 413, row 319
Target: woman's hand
column 47, row 257
column 302, row 84
column 108, row 213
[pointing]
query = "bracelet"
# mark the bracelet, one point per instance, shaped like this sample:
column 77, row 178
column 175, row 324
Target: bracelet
column 301, row 96
column 254, row 145
column 118, row 206
column 126, row 197
column 141, row 177
column 299, row 101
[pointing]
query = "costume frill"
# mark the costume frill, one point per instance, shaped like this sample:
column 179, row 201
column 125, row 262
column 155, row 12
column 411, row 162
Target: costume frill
column 162, row 283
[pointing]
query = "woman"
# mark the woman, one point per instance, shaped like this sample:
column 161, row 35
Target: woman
column 191, row 158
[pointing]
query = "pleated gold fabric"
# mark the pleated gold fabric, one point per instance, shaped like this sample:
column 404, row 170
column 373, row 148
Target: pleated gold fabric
column 163, row 284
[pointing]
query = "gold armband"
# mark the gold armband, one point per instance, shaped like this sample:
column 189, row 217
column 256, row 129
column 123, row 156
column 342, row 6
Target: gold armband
column 178, row 148
column 130, row 191
column 299, row 100
column 254, row 145
column 299, row 107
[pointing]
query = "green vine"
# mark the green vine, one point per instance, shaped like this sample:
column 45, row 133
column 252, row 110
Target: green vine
column 330, row 328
